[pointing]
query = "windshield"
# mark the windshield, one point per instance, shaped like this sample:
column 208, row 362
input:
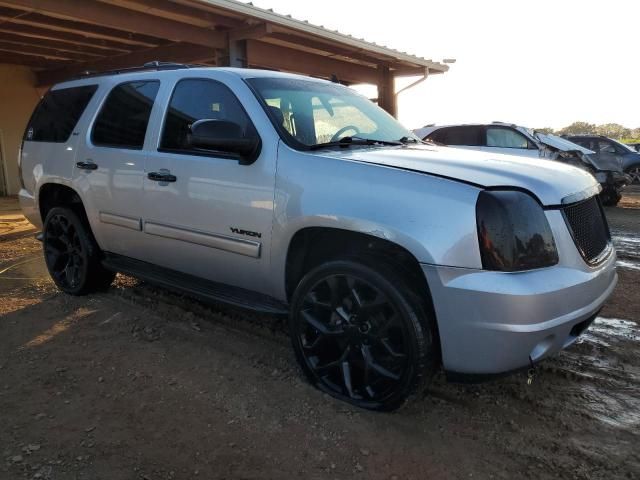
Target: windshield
column 310, row 113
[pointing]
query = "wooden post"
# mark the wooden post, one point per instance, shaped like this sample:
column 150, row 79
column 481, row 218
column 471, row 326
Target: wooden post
column 386, row 90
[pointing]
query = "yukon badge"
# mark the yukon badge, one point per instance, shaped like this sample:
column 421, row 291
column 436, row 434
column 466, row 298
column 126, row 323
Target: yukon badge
column 249, row 233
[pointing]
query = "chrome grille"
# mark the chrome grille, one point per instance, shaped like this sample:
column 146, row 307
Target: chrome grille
column 588, row 227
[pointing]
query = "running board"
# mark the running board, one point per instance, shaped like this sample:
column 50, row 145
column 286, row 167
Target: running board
column 202, row 289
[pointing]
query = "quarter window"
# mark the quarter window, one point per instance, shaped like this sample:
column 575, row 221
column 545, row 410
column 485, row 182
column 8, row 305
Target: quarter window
column 505, row 138
column 199, row 99
column 123, row 120
column 57, row 114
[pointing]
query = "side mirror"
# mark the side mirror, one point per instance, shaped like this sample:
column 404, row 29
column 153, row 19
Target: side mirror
column 224, row 136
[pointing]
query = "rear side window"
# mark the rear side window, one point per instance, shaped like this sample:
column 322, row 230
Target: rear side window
column 505, row 138
column 57, row 114
column 123, row 120
column 197, row 99
column 467, row 135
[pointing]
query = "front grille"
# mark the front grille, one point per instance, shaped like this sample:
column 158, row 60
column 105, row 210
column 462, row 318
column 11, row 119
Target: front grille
column 588, row 227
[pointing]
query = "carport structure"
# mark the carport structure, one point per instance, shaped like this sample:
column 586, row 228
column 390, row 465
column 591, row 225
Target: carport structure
column 46, row 41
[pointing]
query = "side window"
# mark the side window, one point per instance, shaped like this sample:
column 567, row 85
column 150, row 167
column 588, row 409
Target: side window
column 605, row 147
column 470, row 135
column 505, row 138
column 123, row 120
column 57, row 114
column 199, row 99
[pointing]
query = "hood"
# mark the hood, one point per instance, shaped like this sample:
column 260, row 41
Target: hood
column 560, row 143
column 549, row 180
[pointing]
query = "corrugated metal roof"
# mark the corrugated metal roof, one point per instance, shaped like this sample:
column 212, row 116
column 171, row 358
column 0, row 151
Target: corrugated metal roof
column 269, row 15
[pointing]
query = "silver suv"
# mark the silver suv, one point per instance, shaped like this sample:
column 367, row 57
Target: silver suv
column 286, row 194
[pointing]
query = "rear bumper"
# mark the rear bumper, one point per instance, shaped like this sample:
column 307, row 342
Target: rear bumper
column 30, row 208
column 494, row 322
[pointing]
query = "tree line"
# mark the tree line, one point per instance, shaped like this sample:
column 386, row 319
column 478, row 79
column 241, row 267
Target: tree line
column 611, row 130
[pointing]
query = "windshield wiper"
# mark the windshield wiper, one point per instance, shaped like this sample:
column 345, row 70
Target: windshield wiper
column 348, row 141
column 405, row 140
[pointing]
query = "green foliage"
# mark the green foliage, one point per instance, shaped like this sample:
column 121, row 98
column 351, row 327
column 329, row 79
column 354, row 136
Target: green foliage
column 611, row 130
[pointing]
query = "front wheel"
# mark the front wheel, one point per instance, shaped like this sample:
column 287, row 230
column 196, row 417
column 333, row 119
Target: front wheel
column 72, row 255
column 361, row 334
column 634, row 173
column 610, row 197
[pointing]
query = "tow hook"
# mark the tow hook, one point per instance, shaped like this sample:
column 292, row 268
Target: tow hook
column 531, row 373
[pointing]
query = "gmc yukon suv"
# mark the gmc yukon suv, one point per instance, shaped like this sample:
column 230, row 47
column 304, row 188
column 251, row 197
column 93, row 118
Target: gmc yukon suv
column 280, row 193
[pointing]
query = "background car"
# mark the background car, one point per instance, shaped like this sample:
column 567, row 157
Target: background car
column 629, row 158
column 505, row 138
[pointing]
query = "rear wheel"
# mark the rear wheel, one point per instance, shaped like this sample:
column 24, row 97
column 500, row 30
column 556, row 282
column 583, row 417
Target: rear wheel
column 361, row 334
column 72, row 255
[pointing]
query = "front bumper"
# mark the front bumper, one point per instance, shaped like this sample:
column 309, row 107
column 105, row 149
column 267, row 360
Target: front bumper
column 496, row 322
column 612, row 180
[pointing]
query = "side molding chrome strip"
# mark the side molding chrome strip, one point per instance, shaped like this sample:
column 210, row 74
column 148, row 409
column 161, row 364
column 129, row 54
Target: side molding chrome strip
column 221, row 242
column 119, row 220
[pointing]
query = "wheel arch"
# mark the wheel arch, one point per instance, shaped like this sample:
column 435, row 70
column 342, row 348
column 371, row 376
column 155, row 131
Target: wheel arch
column 310, row 246
column 54, row 194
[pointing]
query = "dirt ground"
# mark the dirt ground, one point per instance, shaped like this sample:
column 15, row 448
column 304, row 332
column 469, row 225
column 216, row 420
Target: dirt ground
column 140, row 383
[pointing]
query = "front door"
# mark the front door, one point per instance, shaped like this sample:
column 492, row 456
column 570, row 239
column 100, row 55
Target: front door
column 109, row 167
column 205, row 214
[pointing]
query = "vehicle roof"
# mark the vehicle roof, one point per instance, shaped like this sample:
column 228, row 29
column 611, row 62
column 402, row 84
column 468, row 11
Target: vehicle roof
column 190, row 71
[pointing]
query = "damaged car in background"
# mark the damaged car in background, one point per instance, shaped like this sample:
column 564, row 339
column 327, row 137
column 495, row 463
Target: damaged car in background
column 505, row 138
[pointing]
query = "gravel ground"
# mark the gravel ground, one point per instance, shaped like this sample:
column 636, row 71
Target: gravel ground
column 140, row 383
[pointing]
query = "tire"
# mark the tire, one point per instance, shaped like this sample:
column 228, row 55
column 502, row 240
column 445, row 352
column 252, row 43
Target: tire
column 634, row 173
column 610, row 198
column 72, row 255
column 361, row 335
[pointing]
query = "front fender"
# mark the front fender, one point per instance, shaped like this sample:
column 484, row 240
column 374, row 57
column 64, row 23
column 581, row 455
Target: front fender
column 431, row 217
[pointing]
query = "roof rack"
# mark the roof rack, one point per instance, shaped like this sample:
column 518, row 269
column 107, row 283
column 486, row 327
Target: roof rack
column 153, row 66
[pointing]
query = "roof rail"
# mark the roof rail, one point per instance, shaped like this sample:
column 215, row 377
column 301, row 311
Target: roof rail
column 153, row 66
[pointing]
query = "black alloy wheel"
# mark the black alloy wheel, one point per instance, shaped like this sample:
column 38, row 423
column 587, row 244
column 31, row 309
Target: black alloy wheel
column 71, row 254
column 360, row 335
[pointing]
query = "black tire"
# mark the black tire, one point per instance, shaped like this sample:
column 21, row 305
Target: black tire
column 610, row 198
column 345, row 311
column 72, row 255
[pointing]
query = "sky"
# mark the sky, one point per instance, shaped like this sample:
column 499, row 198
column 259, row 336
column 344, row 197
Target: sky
column 538, row 64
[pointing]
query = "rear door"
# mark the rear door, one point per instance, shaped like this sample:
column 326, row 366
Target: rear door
column 214, row 218
column 463, row 136
column 508, row 141
column 109, row 169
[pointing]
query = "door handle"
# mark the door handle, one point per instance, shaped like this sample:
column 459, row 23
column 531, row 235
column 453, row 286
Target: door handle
column 161, row 177
column 87, row 165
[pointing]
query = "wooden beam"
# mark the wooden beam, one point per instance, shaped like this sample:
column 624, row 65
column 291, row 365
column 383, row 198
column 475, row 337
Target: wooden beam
column 177, row 12
column 84, row 29
column 40, row 51
column 102, row 14
column 330, row 48
column 71, row 38
column 57, row 45
column 28, row 60
column 178, row 52
column 251, row 33
column 262, row 54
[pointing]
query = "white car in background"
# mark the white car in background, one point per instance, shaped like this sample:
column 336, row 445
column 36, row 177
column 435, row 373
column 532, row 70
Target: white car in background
column 510, row 139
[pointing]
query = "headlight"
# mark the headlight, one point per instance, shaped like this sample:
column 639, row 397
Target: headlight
column 513, row 232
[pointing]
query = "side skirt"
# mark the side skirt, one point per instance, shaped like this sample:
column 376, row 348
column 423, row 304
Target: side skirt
column 202, row 289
